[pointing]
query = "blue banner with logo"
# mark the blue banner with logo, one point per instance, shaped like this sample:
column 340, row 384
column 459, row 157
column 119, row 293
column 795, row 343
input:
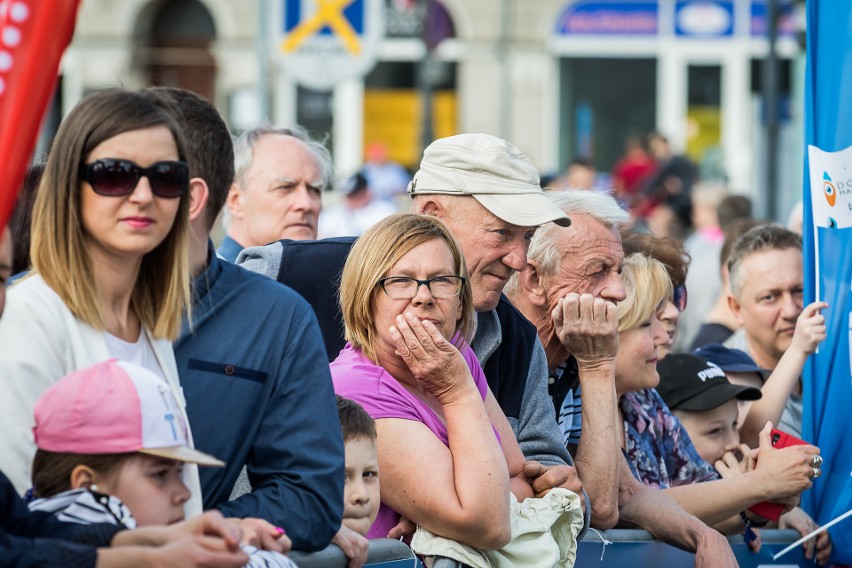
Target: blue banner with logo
column 827, row 232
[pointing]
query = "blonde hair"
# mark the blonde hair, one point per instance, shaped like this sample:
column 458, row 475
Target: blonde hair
column 161, row 293
column 647, row 285
column 370, row 259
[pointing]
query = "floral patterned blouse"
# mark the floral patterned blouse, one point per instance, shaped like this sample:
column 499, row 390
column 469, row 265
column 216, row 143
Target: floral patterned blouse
column 657, row 447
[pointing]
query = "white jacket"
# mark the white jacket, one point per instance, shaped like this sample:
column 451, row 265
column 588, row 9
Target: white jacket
column 40, row 342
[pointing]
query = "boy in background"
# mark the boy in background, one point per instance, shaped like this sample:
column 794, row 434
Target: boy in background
column 361, row 489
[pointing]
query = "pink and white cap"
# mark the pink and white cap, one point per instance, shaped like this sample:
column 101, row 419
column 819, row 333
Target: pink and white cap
column 114, row 407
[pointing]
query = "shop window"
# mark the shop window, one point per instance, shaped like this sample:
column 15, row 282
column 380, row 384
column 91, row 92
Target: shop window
column 603, row 102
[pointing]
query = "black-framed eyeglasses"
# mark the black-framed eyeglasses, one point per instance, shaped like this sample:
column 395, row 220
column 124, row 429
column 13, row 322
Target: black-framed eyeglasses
column 679, row 297
column 405, row 288
column 114, row 178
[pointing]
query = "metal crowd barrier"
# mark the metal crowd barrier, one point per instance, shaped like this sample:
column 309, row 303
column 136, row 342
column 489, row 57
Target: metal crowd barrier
column 637, row 548
column 599, row 549
column 384, row 553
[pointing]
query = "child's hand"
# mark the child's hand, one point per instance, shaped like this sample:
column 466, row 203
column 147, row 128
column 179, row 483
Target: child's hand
column 198, row 551
column 755, row 541
column 209, row 524
column 810, row 328
column 403, row 530
column 263, row 535
column 800, row 521
column 353, row 545
column 735, row 463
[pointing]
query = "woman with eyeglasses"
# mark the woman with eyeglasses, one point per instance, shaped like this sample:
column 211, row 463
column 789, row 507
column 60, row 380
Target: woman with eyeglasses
column 447, row 455
column 110, row 275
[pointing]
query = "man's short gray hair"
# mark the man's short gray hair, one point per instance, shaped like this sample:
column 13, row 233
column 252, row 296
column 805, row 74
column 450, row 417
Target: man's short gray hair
column 246, row 141
column 599, row 205
column 759, row 239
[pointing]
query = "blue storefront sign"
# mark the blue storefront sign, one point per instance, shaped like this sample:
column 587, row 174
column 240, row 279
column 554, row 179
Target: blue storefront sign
column 701, row 19
column 609, row 18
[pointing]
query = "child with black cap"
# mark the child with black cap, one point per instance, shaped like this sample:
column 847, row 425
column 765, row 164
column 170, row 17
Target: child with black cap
column 776, row 385
column 740, row 369
column 699, row 393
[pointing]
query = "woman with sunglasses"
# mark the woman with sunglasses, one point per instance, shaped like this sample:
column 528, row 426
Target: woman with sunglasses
column 110, row 275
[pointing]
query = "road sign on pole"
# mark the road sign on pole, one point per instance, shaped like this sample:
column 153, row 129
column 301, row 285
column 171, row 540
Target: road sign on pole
column 323, row 42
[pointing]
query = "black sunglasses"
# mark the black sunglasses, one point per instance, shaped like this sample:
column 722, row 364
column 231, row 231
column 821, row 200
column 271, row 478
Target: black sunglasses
column 114, row 178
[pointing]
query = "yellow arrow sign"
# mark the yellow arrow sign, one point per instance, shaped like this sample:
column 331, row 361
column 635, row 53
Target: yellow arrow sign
column 329, row 13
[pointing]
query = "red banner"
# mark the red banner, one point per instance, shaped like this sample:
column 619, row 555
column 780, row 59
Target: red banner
column 33, row 36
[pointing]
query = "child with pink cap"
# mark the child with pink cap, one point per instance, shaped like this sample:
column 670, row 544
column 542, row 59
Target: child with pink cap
column 112, row 443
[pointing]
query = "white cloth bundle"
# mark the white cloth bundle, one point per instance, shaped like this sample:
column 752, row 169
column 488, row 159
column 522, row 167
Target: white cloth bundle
column 544, row 535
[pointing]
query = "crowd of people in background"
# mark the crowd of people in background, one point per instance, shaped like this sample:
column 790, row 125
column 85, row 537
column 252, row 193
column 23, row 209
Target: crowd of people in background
column 498, row 360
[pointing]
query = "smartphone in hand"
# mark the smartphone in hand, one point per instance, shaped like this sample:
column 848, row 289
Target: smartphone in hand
column 767, row 509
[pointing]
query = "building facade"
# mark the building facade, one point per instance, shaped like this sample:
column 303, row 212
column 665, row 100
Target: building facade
column 559, row 78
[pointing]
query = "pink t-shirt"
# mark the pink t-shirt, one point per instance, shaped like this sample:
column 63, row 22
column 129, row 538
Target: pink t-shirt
column 382, row 396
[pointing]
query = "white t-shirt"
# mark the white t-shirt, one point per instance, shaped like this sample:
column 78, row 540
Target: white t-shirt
column 140, row 352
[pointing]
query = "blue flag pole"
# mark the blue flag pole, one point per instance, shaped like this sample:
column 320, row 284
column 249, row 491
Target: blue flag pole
column 827, row 234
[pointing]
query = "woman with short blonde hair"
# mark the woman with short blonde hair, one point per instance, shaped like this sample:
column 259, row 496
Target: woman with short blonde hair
column 408, row 312
column 647, row 425
column 658, row 448
column 390, row 241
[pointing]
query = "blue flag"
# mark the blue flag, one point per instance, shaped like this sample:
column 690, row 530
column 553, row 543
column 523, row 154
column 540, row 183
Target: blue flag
column 827, row 232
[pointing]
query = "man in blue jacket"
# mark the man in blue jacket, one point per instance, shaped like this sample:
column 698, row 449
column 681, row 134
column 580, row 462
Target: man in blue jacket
column 253, row 368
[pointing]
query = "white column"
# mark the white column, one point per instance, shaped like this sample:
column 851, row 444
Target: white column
column 348, row 126
column 549, row 152
column 284, row 103
column 736, row 120
column 72, row 80
column 671, row 95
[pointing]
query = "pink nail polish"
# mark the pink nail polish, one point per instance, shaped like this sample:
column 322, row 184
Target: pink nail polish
column 279, row 530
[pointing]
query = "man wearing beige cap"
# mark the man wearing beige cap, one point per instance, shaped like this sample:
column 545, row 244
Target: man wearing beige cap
column 496, row 226
column 488, row 193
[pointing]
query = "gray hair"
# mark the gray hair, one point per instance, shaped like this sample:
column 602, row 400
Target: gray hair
column 246, row 141
column 759, row 239
column 599, row 205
